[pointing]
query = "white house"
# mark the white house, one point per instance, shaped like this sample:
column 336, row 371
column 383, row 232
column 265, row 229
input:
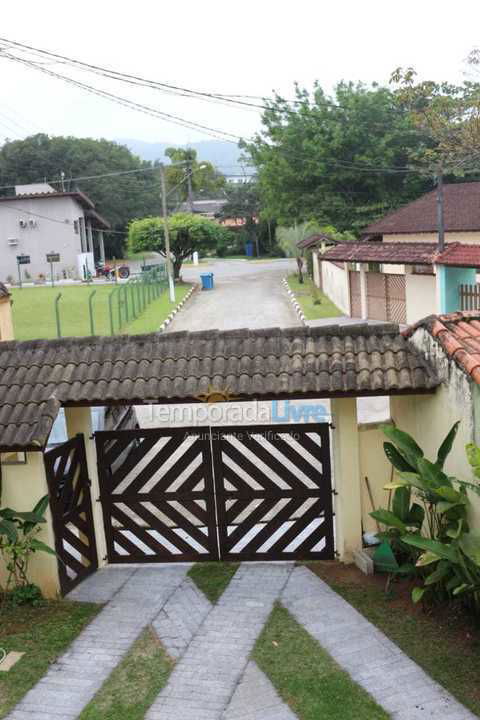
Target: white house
column 38, row 220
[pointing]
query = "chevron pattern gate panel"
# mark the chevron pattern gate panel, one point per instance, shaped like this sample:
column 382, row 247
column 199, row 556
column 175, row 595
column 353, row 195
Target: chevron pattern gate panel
column 156, row 491
column 71, row 508
column 274, row 494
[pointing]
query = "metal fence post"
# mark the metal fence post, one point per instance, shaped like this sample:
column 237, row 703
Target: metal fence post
column 90, row 310
column 110, row 310
column 57, row 315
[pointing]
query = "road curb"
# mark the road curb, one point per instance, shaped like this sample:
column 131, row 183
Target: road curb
column 177, row 309
column 294, row 302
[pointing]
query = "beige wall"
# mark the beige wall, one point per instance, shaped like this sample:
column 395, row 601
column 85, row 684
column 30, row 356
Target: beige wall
column 374, row 466
column 335, row 285
column 421, row 296
column 23, row 487
column 6, row 319
column 470, row 238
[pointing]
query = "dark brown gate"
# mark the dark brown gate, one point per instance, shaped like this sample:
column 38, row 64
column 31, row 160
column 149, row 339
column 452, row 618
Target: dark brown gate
column 156, row 490
column 274, row 494
column 265, row 493
column 71, row 507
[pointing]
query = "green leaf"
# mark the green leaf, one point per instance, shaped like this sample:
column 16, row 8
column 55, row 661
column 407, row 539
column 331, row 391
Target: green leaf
column 401, row 503
column 470, row 545
column 9, row 529
column 446, row 446
column 414, row 480
column 426, row 559
column 41, row 506
column 439, row 574
column 405, row 444
column 416, row 516
column 397, row 460
column 443, row 506
column 431, row 475
column 451, row 495
column 473, row 455
column 441, row 550
column 39, row 545
column 417, row 594
column 388, row 518
column 461, row 589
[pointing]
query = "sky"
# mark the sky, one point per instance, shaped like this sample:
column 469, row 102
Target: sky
column 246, row 48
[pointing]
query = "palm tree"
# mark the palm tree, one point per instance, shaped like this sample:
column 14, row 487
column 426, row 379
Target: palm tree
column 289, row 238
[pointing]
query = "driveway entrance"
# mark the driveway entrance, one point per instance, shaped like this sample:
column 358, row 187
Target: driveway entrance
column 190, row 494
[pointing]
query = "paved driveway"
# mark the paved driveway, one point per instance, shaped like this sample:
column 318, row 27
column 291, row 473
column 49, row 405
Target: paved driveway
column 246, row 295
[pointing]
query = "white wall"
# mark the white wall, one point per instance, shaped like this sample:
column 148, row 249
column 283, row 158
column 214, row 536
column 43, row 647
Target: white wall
column 421, row 296
column 469, row 238
column 335, row 285
column 38, row 240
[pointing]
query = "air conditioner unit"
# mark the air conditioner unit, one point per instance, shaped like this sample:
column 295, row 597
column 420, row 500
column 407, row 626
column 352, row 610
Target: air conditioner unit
column 13, row 241
column 23, row 223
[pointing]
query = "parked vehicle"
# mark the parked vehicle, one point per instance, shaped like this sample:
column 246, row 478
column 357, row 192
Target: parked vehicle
column 108, row 271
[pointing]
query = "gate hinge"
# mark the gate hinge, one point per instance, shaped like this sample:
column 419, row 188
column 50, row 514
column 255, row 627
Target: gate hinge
column 332, row 426
column 337, row 554
column 89, row 482
column 334, row 492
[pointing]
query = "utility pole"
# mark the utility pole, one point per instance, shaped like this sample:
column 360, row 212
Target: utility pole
column 171, row 286
column 189, row 186
column 440, row 210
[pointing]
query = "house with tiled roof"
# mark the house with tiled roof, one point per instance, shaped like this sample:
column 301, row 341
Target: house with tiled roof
column 397, row 273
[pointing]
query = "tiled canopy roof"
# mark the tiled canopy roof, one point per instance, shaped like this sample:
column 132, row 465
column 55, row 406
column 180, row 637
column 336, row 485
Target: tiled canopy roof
column 4, row 291
column 455, row 254
column 462, row 212
column 314, row 240
column 459, row 335
column 37, row 377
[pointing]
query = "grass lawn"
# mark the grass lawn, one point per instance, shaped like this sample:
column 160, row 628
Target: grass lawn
column 134, row 684
column 444, row 642
column 43, row 634
column 34, row 314
column 305, row 675
column 306, row 294
column 212, row 577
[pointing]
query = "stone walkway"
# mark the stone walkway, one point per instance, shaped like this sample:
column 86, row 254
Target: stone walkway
column 214, row 678
column 395, row 681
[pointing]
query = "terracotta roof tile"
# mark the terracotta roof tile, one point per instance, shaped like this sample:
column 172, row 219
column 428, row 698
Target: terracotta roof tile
column 459, row 335
column 38, row 377
column 415, row 253
column 462, row 212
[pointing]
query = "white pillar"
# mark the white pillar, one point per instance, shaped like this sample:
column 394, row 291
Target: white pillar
column 79, row 420
column 101, row 246
column 363, row 290
column 316, row 269
column 346, row 273
column 89, row 237
column 346, row 473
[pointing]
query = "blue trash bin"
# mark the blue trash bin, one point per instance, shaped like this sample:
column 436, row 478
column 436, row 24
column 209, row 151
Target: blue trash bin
column 207, row 281
column 249, row 249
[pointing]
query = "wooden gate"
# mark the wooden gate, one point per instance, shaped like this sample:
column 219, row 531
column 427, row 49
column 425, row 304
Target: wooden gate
column 274, row 494
column 355, row 294
column 263, row 493
column 386, row 297
column 71, row 508
column 156, row 490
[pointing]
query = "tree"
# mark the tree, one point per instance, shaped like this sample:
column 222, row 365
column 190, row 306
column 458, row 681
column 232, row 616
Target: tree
column 289, row 237
column 188, row 233
column 313, row 156
column 204, row 177
column 243, row 202
column 448, row 118
column 118, row 198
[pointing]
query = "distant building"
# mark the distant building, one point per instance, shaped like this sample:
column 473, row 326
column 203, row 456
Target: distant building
column 38, row 220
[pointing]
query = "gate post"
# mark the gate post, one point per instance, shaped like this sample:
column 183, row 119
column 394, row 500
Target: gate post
column 346, row 473
column 79, row 420
column 363, row 290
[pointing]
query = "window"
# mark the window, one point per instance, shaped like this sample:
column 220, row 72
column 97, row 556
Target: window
column 75, row 227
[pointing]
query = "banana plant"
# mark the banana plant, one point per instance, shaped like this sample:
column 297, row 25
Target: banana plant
column 18, row 541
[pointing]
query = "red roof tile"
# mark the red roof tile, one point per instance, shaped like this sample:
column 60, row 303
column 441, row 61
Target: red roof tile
column 459, row 335
column 462, row 212
column 455, row 254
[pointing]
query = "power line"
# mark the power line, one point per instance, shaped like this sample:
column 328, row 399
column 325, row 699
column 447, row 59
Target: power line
column 154, row 112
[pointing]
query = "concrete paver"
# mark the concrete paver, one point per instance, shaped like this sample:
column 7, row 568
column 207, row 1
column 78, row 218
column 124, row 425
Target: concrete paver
column 395, row 681
column 255, row 698
column 72, row 681
column 205, row 678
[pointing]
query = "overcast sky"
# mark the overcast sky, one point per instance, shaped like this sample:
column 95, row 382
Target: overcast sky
column 248, row 47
